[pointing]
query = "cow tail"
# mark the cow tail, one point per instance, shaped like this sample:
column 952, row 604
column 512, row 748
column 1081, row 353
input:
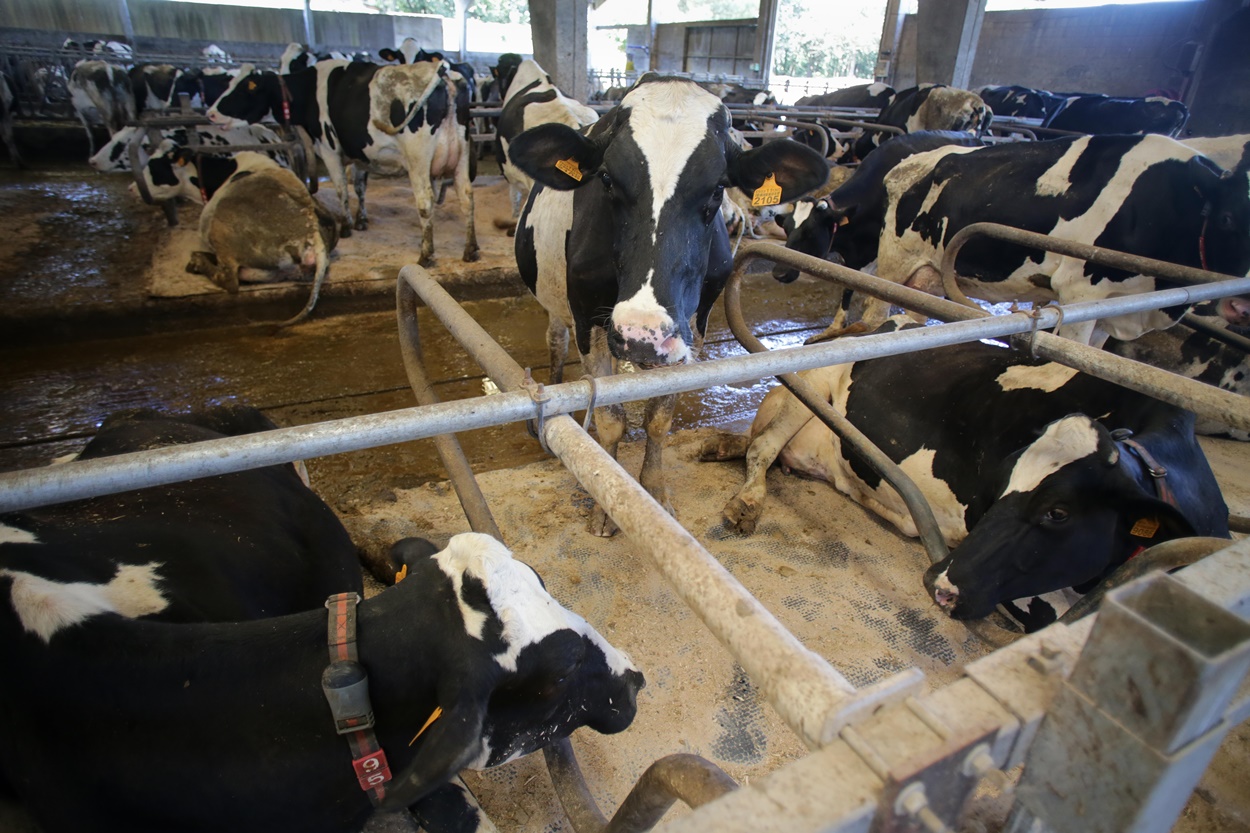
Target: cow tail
column 386, row 127
column 319, row 276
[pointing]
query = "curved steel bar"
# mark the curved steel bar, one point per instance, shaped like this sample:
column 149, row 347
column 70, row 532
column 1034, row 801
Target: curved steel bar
column 1166, row 556
column 688, row 778
column 1068, row 248
column 922, row 514
column 808, row 125
column 449, row 451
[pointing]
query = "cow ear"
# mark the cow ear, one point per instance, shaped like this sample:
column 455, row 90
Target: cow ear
column 390, row 55
column 448, row 745
column 795, row 167
column 555, row 155
column 408, row 554
column 1206, row 176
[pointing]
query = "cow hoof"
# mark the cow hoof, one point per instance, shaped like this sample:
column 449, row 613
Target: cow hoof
column 601, row 525
column 362, row 225
column 425, row 260
column 741, row 516
column 345, row 231
column 472, row 255
column 512, row 231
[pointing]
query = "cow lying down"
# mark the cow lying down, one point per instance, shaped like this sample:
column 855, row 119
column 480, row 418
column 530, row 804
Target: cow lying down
column 1038, row 475
column 189, row 724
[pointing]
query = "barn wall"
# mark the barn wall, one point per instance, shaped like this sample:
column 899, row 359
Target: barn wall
column 670, row 46
column 49, row 22
column 1118, row 50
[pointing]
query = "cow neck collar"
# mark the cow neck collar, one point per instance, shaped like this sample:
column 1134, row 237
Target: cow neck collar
column 1202, row 237
column 1144, row 528
column 349, row 703
column 286, row 100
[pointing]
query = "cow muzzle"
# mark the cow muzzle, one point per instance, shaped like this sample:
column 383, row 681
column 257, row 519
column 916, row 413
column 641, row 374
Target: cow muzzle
column 1236, row 311
column 648, row 345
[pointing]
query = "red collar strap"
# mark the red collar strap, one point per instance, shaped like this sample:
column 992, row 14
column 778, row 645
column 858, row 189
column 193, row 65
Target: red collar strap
column 286, row 102
column 346, row 687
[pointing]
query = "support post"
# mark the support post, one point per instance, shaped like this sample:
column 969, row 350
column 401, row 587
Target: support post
column 559, row 32
column 946, row 41
column 308, row 25
column 891, row 31
column 128, row 27
column 765, row 36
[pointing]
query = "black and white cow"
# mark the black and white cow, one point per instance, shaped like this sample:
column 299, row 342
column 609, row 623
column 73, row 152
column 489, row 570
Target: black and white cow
column 1146, row 195
column 204, row 86
column 8, row 108
column 104, row 89
column 532, row 99
column 175, row 171
column 470, row 663
column 114, row 155
column 239, row 546
column 1195, row 355
column 1021, row 102
column 367, row 113
column 154, row 85
column 470, row 632
column 1017, row 459
column 110, row 48
column 1225, row 151
column 1100, row 114
column 863, row 96
column 928, row 107
column 622, row 238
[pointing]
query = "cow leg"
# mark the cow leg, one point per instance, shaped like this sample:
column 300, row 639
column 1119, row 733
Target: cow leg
column 658, row 422
column 558, row 348
column 609, row 422
column 338, row 177
column 743, row 510
column 418, row 154
column 360, row 178
column 464, row 190
column 90, row 138
column 839, row 327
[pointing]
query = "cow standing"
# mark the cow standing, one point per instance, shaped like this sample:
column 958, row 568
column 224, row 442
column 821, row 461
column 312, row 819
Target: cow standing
column 1145, row 195
column 532, row 98
column 1039, row 477
column 96, row 86
column 622, row 238
column 367, row 113
column 154, row 85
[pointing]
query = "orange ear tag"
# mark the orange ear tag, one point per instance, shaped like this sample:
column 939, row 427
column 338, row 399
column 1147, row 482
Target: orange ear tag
column 1144, row 528
column 251, row 86
column 570, row 167
column 769, row 193
column 435, row 715
column 402, row 574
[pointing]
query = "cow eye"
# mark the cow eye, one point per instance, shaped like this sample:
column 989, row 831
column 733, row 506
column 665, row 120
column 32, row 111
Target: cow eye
column 1056, row 515
column 718, row 194
column 606, row 179
column 1225, row 221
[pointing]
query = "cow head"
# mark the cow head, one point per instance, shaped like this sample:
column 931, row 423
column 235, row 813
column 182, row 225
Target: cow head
column 170, row 173
column 1068, row 514
column 655, row 168
column 529, row 671
column 250, row 96
column 503, row 71
column 1226, row 227
column 809, row 229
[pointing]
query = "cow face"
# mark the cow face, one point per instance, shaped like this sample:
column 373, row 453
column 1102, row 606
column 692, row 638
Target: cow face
column 658, row 165
column 246, row 100
column 170, row 174
column 1226, row 227
column 809, row 229
column 1068, row 514
column 548, row 673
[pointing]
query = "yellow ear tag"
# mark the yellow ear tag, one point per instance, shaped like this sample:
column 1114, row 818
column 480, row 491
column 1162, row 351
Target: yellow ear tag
column 435, row 715
column 844, row 221
column 769, row 193
column 181, row 163
column 251, row 86
column 402, row 574
column 570, row 167
column 1144, row 528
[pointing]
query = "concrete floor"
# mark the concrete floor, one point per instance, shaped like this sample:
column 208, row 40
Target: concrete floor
column 846, row 584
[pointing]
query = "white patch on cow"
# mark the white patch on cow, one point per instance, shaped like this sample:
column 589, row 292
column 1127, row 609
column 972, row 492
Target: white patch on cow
column 483, row 758
column 528, row 612
column 802, row 210
column 47, row 606
column 668, row 120
column 760, row 98
column 1064, row 442
column 13, row 535
column 1158, row 99
column 292, row 51
column 550, row 218
column 945, row 585
column 877, row 89
column 1056, row 180
column 1224, row 151
column 642, row 315
column 1047, row 377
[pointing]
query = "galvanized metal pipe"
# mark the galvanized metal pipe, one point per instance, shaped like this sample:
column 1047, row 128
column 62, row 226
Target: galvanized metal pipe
column 807, row 125
column 449, row 451
column 922, row 514
column 1069, row 248
column 1228, row 337
column 88, row 478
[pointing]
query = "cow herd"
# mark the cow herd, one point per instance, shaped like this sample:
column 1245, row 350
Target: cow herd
column 195, row 615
